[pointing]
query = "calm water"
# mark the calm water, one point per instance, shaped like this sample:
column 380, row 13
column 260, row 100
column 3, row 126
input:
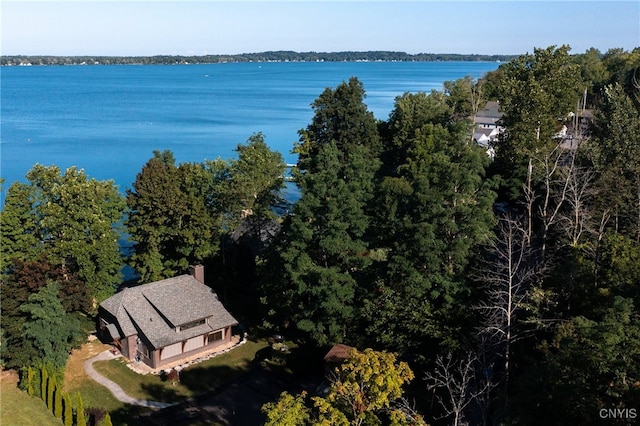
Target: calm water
column 109, row 119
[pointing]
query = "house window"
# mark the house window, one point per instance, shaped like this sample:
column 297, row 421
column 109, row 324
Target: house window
column 142, row 348
column 215, row 336
column 191, row 325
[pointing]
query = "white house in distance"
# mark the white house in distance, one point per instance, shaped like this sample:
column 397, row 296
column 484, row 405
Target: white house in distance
column 165, row 321
column 487, row 127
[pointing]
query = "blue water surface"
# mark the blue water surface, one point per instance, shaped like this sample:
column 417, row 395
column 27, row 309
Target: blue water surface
column 108, row 120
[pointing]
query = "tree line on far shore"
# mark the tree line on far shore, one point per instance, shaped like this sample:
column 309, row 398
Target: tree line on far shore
column 509, row 284
column 271, row 56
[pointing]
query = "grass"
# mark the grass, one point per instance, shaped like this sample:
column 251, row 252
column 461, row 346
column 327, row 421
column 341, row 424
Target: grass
column 148, row 386
column 18, row 408
column 77, row 381
column 193, row 380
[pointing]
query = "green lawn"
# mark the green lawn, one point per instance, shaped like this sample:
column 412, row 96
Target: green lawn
column 193, row 380
column 18, row 408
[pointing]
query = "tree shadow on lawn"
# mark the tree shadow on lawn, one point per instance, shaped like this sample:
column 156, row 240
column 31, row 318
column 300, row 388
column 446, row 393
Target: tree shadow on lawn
column 127, row 415
column 202, row 379
column 162, row 392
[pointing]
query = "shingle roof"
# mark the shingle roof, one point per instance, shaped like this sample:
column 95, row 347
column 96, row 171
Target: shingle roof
column 491, row 110
column 154, row 310
column 338, row 354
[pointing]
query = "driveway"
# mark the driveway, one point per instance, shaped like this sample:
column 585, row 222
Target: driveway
column 115, row 389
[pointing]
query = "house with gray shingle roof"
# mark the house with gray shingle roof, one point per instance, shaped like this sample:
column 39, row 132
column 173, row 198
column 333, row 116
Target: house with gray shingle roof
column 489, row 117
column 164, row 321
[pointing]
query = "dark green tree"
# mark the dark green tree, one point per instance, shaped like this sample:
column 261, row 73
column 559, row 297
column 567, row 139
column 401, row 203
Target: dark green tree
column 340, row 116
column 312, row 274
column 49, row 332
column 313, row 271
column 433, row 212
column 411, row 112
column 589, row 364
column 171, row 220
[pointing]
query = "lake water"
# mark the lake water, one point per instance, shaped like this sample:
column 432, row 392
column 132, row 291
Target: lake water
column 109, row 119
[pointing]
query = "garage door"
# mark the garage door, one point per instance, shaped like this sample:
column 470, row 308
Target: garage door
column 194, row 343
column 171, row 350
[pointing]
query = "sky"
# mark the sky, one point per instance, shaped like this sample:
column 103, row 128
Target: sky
column 140, row 28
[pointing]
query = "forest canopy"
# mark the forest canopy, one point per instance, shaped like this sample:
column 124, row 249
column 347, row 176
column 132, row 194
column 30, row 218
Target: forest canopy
column 507, row 275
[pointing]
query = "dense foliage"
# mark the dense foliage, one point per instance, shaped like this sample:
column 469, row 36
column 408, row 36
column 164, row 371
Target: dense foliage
column 511, row 281
column 366, row 389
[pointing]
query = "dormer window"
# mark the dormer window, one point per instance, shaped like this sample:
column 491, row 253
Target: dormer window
column 191, row 324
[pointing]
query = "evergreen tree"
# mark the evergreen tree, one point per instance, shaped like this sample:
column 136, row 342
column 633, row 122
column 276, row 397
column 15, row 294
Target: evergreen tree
column 80, row 415
column 313, row 271
column 107, row 420
column 51, row 385
column 57, row 402
column 44, row 379
column 49, row 332
column 30, row 380
column 68, row 410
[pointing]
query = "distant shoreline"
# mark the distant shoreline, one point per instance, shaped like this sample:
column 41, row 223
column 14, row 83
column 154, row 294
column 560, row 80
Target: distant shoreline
column 275, row 56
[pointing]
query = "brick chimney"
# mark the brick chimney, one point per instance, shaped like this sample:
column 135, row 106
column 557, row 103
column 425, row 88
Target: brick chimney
column 197, row 271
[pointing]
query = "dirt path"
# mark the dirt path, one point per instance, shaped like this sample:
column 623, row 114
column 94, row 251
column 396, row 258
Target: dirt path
column 113, row 387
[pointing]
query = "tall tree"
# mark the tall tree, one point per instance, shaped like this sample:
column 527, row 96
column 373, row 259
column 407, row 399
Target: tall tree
column 171, row 219
column 49, row 331
column 249, row 185
column 465, row 96
column 340, row 115
column 434, row 210
column 314, row 265
column 616, row 156
column 71, row 218
column 536, row 93
column 313, row 271
column 257, row 176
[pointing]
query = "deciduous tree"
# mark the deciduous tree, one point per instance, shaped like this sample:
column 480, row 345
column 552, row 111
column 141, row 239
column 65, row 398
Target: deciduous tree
column 536, row 93
column 71, row 218
column 433, row 211
column 171, row 220
column 363, row 390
